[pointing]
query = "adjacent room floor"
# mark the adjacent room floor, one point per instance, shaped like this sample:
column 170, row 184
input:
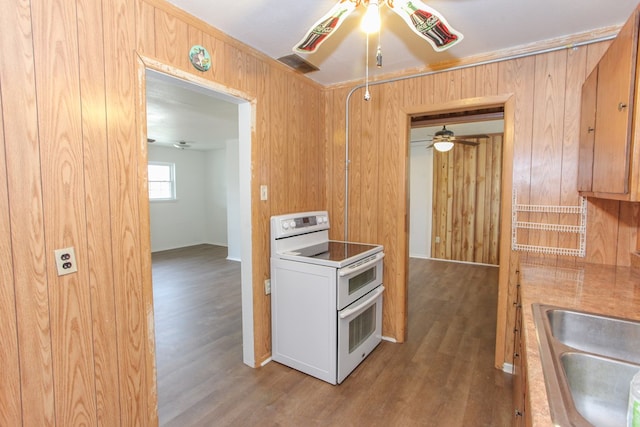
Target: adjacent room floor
column 443, row 375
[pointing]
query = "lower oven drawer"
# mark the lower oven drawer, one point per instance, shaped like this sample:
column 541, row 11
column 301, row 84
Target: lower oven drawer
column 359, row 331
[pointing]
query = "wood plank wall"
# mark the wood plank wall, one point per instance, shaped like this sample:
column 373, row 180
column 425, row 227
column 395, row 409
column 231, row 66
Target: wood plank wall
column 466, row 205
column 546, row 89
column 78, row 349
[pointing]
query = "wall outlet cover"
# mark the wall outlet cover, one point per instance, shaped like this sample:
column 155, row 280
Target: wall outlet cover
column 66, row 261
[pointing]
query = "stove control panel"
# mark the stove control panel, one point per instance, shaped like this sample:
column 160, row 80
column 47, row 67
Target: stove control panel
column 294, row 224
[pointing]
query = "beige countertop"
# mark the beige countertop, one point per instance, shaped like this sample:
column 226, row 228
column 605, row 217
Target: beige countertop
column 599, row 289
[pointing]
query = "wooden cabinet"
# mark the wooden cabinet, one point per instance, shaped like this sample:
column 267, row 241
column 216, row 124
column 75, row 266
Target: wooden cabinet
column 521, row 403
column 521, row 408
column 519, row 378
column 587, row 131
column 609, row 134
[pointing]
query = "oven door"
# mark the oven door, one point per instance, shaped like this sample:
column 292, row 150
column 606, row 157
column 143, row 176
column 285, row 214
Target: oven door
column 359, row 331
column 358, row 279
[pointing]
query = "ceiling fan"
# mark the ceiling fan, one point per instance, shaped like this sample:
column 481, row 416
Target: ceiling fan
column 183, row 144
column 425, row 21
column 444, row 139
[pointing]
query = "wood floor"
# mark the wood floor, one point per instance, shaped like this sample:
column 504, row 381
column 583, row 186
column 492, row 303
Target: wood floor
column 443, row 375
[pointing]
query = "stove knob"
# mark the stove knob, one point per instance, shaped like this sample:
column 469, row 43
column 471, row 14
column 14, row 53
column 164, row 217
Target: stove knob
column 285, row 225
column 292, row 224
column 325, row 219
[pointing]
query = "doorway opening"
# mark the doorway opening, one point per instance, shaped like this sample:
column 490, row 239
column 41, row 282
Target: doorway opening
column 244, row 106
column 455, row 194
column 236, row 157
column 462, row 108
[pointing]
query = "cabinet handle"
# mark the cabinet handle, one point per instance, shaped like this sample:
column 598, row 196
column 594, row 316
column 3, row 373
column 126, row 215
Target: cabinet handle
column 518, row 413
column 516, row 355
column 621, row 106
column 590, row 129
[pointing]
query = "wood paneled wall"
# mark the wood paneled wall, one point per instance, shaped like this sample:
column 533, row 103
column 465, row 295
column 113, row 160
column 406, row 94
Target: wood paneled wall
column 78, row 349
column 546, row 89
column 466, row 203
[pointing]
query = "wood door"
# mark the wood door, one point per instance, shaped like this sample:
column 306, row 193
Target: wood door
column 616, row 75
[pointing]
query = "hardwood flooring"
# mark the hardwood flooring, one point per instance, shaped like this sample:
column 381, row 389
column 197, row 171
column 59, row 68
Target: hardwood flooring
column 443, row 375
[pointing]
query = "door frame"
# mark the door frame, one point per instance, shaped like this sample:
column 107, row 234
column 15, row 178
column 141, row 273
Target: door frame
column 246, row 106
column 506, row 101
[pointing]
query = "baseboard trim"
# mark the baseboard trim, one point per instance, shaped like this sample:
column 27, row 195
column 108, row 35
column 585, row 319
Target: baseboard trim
column 458, row 262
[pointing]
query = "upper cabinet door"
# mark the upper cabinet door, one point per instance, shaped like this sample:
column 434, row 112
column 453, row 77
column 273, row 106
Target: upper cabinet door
column 614, row 109
column 587, row 131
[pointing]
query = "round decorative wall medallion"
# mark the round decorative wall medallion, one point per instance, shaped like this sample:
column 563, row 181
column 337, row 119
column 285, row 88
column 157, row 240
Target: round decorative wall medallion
column 200, row 58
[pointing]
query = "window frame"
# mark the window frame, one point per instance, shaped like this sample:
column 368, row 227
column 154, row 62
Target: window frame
column 172, row 180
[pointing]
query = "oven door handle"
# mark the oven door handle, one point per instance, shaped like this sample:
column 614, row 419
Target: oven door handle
column 348, row 312
column 348, row 271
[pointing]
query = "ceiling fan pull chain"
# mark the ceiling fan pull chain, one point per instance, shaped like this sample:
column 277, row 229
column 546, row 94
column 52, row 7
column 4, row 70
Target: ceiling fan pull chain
column 379, row 52
column 367, row 95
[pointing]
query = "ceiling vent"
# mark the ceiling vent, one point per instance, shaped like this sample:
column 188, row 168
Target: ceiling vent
column 298, row 63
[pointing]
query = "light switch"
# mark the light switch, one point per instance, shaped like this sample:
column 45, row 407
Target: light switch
column 263, row 192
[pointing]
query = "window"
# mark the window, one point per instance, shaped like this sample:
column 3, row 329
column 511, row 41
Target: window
column 162, row 181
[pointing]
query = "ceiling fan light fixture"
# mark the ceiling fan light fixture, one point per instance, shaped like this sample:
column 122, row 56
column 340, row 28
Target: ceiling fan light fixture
column 371, row 21
column 444, row 134
column 443, row 146
column 182, row 145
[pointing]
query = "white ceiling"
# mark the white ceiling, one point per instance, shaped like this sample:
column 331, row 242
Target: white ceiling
column 274, row 27
column 179, row 111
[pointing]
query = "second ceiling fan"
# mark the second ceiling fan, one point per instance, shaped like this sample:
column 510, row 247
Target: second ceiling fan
column 444, row 139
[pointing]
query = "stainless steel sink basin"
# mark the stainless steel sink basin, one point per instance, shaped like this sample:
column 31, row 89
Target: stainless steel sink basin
column 599, row 387
column 588, row 361
column 607, row 336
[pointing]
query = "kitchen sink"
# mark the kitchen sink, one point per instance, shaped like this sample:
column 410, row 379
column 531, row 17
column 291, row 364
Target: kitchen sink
column 607, row 336
column 599, row 387
column 588, row 361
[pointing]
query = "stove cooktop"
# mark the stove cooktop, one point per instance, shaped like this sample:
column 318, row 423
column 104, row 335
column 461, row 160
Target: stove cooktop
column 334, row 252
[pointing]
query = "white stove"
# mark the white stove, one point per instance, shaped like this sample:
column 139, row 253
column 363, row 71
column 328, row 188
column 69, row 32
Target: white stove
column 326, row 297
column 304, row 237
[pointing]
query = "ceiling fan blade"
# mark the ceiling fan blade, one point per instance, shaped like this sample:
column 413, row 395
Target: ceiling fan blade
column 428, row 23
column 474, row 136
column 462, row 141
column 325, row 27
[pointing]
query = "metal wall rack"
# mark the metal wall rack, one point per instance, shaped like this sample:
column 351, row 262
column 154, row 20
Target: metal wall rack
column 581, row 229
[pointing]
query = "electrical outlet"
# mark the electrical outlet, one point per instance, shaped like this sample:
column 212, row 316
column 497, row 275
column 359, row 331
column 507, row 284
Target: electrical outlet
column 437, row 239
column 66, row 261
column 267, row 287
